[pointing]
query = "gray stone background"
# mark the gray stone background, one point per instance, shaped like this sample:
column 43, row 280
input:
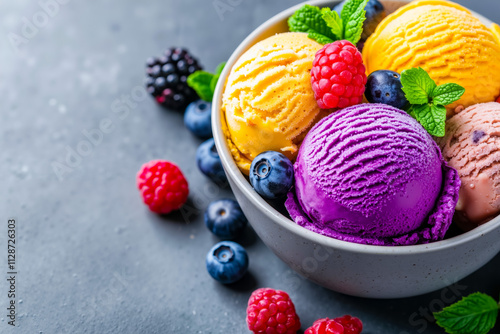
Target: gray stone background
column 91, row 258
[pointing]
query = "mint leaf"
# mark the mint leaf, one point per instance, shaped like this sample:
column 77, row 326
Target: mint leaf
column 216, row 76
column 200, row 81
column 309, row 19
column 447, row 93
column 353, row 16
column 321, row 39
column 474, row 314
column 417, row 85
column 432, row 117
column 334, row 21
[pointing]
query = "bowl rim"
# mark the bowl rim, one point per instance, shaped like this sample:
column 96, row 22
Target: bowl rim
column 244, row 186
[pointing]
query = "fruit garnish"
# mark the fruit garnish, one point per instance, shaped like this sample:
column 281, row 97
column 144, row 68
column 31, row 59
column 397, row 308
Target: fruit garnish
column 167, row 76
column 338, row 76
column 162, row 185
column 204, row 82
column 474, row 314
column 385, row 87
column 326, row 26
column 428, row 100
column 198, row 119
column 209, row 162
column 271, row 174
column 225, row 219
column 227, row 262
column 271, row 311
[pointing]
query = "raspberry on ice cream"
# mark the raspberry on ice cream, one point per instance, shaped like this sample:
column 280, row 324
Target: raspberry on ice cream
column 163, row 186
column 271, row 311
column 371, row 174
column 338, row 76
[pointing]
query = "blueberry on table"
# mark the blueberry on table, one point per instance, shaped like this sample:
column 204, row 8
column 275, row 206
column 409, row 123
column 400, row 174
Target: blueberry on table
column 385, row 87
column 198, row 118
column 227, row 262
column 271, row 174
column 209, row 162
column 225, row 219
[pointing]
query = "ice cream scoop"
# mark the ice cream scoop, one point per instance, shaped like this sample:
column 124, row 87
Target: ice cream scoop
column 371, row 174
column 268, row 102
column 472, row 146
column 447, row 41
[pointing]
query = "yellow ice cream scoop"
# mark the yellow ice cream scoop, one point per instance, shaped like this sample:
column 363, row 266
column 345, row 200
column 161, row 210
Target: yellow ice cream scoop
column 447, row 41
column 268, row 102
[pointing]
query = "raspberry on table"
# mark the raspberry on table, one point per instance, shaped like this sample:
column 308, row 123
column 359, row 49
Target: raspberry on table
column 163, row 186
column 498, row 99
column 338, row 76
column 325, row 326
column 271, row 312
column 352, row 325
column 167, row 78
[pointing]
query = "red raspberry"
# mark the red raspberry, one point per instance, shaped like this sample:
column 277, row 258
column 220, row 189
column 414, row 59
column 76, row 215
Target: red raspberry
column 271, row 312
column 325, row 326
column 338, row 76
column 498, row 99
column 163, row 186
column 352, row 325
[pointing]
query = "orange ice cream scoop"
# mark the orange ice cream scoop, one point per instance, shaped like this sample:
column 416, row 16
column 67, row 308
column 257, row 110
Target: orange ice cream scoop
column 268, row 102
column 447, row 41
column 472, row 146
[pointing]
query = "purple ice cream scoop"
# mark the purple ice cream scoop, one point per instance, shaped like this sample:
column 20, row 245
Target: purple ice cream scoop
column 371, row 174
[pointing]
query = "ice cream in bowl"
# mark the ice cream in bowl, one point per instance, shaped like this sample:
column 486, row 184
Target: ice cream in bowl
column 387, row 201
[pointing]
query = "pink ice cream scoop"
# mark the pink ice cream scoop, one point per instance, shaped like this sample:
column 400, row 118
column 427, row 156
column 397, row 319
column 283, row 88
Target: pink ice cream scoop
column 371, row 174
column 472, row 146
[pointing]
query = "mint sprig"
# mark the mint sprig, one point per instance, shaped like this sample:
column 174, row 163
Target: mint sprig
column 326, row 26
column 428, row 100
column 204, row 82
column 474, row 314
column 309, row 19
column 353, row 15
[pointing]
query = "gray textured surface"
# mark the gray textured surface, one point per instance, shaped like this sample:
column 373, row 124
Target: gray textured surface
column 91, row 258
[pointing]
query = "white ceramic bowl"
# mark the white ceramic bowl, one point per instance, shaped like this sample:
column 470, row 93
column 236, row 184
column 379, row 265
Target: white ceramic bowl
column 353, row 269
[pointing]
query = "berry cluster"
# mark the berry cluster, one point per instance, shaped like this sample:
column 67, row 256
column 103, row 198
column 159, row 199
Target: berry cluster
column 338, row 76
column 167, row 78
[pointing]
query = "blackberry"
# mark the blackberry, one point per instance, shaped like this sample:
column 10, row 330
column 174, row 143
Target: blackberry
column 167, row 77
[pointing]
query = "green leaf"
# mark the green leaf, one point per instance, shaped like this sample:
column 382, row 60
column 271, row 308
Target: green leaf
column 474, row 314
column 334, row 21
column 309, row 19
column 417, row 85
column 200, row 81
column 447, row 93
column 353, row 16
column 321, row 39
column 432, row 117
column 216, row 76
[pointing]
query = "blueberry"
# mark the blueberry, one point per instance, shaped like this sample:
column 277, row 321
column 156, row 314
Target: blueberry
column 209, row 162
column 225, row 219
column 385, row 87
column 271, row 174
column 198, row 118
column 227, row 262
